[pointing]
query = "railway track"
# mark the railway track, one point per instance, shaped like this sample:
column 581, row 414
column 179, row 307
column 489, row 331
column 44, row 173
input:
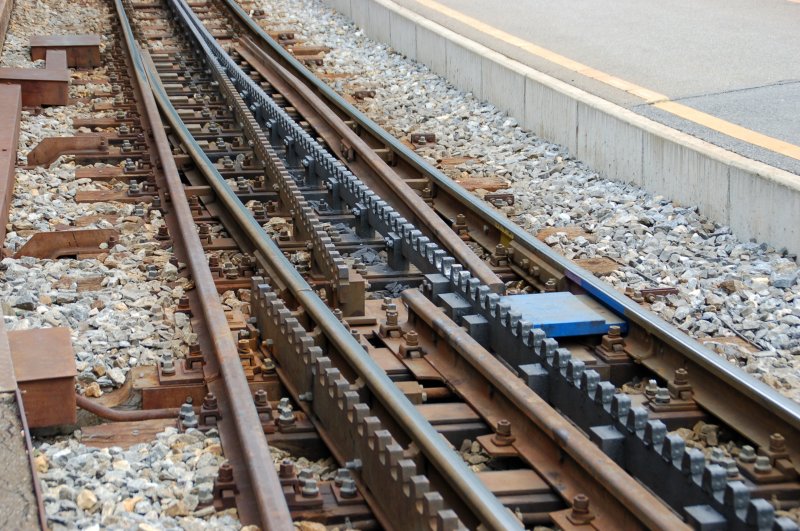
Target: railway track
column 393, row 316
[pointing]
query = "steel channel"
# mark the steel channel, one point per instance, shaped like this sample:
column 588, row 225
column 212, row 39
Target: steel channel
column 464, row 482
column 601, row 473
column 267, row 492
column 764, row 400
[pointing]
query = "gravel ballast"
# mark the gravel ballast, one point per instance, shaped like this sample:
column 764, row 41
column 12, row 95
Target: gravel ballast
column 740, row 298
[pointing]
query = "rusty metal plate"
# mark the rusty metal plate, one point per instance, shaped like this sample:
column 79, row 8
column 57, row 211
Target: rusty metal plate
column 49, row 149
column 56, row 60
column 124, row 434
column 521, row 481
column 82, row 51
column 57, row 244
column 44, row 365
column 40, row 86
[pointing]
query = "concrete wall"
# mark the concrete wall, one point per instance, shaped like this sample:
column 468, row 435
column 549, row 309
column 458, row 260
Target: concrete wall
column 757, row 200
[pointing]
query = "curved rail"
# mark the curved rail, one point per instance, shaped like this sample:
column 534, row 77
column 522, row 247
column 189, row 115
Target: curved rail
column 236, row 401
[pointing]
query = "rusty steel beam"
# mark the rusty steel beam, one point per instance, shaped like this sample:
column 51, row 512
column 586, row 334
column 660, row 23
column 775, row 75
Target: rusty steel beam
column 10, row 111
column 560, row 452
column 240, row 426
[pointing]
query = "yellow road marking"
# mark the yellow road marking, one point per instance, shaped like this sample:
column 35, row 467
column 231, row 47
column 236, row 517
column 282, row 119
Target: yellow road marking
column 651, row 97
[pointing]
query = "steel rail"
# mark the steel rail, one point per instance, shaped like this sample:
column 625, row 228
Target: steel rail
column 767, row 410
column 464, row 482
column 237, row 402
column 601, row 475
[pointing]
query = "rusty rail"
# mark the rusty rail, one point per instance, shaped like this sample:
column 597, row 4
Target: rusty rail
column 241, row 430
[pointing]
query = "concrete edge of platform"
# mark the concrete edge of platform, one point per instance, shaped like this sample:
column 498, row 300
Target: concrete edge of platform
column 755, row 199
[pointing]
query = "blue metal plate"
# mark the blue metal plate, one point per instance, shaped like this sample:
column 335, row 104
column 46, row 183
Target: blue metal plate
column 562, row 314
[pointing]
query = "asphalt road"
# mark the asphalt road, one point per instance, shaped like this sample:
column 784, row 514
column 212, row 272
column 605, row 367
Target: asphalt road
column 738, row 60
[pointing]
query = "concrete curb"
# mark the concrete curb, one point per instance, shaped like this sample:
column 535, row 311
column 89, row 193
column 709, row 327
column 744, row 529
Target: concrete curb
column 755, row 199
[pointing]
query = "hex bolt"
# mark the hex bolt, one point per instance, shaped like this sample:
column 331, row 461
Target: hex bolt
column 747, row 454
column 308, row 396
column 731, row 468
column 189, row 420
column 763, row 465
column 123, row 129
column 614, row 331
column 126, row 146
column 186, row 408
column 550, row 285
column 386, row 302
column 269, row 365
column 287, row 469
column 662, row 396
column 580, row 509
column 286, row 417
column 502, row 435
column 681, row 377
column 355, row 464
column 225, row 474
column 133, row 188
column 412, row 338
column 163, row 233
column 348, row 488
column 260, row 397
column 283, row 403
column 717, row 456
column 244, row 346
column 210, row 401
column 338, row 314
column 167, row 365
column 305, row 474
column 310, row 488
column 777, row 443
column 651, row 388
column 341, row 475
